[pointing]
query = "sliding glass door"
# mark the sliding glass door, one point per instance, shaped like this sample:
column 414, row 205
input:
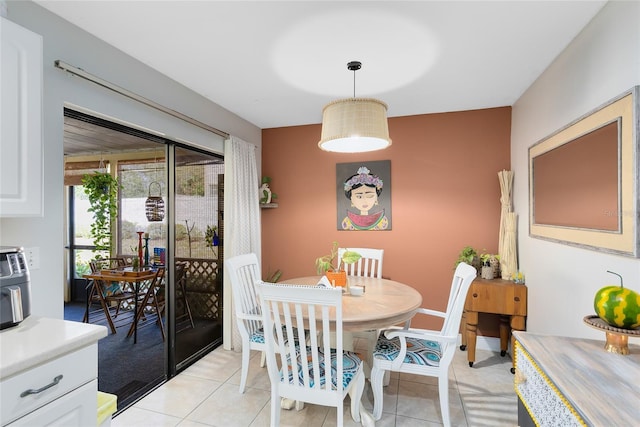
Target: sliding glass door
column 187, row 241
column 196, row 312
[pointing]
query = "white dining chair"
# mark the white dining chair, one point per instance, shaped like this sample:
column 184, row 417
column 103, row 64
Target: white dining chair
column 244, row 272
column 369, row 265
column 421, row 351
column 313, row 372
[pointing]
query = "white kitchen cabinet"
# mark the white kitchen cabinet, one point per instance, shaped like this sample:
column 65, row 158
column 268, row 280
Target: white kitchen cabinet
column 48, row 373
column 75, row 409
column 21, row 160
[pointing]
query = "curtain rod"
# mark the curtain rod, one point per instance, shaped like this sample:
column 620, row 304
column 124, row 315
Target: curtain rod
column 97, row 80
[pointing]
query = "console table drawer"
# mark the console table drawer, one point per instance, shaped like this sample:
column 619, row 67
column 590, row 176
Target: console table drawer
column 497, row 296
column 544, row 403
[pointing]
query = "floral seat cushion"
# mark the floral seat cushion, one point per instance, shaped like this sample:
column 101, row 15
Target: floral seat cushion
column 350, row 365
column 111, row 288
column 257, row 336
column 419, row 352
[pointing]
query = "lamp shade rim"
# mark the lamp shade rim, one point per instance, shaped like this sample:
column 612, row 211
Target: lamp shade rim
column 355, row 100
column 360, row 144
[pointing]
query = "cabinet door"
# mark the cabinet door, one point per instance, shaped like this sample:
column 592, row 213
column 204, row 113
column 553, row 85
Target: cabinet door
column 78, row 408
column 21, row 172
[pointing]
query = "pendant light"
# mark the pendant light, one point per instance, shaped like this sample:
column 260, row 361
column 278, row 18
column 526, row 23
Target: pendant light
column 354, row 125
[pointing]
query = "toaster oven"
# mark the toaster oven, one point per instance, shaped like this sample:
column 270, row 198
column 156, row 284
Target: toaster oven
column 15, row 287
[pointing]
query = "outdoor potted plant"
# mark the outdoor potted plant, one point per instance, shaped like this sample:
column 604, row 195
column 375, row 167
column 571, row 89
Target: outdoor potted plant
column 102, row 191
column 325, row 265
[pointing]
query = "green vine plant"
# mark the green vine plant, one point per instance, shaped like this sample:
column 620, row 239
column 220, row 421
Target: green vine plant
column 326, row 263
column 102, row 191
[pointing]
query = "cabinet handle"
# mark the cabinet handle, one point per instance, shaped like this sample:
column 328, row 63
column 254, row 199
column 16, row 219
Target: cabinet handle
column 55, row 381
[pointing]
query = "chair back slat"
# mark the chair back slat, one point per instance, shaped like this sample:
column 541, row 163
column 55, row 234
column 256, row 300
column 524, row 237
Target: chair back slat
column 244, row 272
column 462, row 279
column 99, row 264
column 369, row 265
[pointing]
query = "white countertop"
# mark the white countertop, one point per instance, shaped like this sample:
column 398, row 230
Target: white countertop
column 37, row 340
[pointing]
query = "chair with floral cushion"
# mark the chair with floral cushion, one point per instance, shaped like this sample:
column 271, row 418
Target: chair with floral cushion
column 244, row 272
column 420, row 351
column 312, row 372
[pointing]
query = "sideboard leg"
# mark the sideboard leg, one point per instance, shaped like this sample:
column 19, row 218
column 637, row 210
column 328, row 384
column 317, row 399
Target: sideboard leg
column 472, row 327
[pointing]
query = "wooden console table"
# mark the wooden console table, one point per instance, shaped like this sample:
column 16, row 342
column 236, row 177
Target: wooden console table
column 496, row 296
column 566, row 381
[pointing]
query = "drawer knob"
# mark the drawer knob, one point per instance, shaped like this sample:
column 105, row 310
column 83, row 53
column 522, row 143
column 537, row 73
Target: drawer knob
column 519, row 378
column 55, row 381
column 475, row 295
column 517, row 299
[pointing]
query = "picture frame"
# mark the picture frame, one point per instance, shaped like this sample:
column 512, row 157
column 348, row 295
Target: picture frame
column 363, row 196
column 583, row 180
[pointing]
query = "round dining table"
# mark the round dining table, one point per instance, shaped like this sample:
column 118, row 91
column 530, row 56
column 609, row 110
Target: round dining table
column 384, row 302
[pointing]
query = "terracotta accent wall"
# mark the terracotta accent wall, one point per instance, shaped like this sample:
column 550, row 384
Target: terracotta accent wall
column 445, row 195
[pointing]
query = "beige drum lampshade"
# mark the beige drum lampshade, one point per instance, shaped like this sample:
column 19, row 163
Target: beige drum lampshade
column 354, row 125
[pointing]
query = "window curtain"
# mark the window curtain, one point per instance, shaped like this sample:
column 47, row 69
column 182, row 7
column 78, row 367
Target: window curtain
column 242, row 232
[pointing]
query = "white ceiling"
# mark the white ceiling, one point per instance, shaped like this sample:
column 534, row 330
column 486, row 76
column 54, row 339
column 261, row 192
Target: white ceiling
column 278, row 63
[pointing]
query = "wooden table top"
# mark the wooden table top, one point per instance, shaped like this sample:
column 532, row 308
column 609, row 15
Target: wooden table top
column 122, row 275
column 383, row 304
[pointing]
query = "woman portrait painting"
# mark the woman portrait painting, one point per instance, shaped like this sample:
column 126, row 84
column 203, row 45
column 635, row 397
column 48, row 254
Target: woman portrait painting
column 365, row 210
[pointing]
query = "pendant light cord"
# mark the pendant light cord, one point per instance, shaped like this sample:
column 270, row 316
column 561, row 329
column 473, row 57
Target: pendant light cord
column 354, row 83
column 354, row 66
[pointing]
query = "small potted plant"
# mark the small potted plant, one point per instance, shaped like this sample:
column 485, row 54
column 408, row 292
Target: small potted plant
column 490, row 265
column 325, row 265
column 469, row 256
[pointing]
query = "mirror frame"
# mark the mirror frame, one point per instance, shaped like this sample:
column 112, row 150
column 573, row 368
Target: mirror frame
column 625, row 240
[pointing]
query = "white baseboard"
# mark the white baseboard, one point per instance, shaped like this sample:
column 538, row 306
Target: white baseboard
column 488, row 343
column 485, row 343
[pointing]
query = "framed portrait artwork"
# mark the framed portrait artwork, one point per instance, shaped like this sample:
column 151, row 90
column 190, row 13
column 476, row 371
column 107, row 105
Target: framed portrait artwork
column 363, row 194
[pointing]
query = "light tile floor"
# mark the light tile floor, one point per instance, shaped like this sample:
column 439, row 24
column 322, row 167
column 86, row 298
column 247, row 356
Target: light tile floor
column 206, row 394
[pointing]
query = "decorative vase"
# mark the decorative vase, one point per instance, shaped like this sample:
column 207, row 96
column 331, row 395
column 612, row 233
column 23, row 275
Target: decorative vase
column 487, row 272
column 140, row 259
column 146, row 251
column 495, row 265
column 477, row 264
column 337, row 278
